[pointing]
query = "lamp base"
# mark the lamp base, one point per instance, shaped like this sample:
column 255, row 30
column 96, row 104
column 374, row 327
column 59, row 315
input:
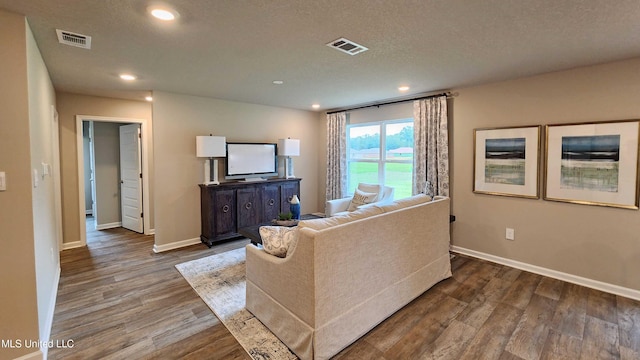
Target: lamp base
column 288, row 168
column 207, row 172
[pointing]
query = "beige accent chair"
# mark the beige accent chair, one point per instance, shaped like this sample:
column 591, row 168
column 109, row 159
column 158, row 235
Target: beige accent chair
column 341, row 206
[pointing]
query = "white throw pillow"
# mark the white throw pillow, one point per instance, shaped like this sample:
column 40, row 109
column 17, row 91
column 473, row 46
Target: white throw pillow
column 277, row 239
column 361, row 198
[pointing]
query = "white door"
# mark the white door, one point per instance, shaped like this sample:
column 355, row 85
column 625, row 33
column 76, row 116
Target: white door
column 131, row 177
column 92, row 172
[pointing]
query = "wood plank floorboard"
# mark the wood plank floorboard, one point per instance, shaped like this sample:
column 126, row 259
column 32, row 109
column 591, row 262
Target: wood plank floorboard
column 117, row 299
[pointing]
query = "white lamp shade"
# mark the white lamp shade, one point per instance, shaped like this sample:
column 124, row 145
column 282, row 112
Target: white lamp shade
column 289, row 147
column 211, row 146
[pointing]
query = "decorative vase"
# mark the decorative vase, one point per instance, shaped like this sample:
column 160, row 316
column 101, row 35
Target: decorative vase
column 294, row 207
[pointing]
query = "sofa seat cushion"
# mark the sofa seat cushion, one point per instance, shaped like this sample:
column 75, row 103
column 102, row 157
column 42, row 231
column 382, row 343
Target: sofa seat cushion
column 406, row 202
column 277, row 239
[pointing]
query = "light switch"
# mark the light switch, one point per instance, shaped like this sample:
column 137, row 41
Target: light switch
column 3, row 181
column 510, row 234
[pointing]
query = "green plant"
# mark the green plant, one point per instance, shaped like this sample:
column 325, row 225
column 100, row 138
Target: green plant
column 285, row 216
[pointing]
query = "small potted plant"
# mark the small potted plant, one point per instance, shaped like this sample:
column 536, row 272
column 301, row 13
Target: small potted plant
column 285, row 219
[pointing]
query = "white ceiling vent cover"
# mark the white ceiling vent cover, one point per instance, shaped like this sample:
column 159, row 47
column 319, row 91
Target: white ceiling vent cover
column 73, row 39
column 347, row 46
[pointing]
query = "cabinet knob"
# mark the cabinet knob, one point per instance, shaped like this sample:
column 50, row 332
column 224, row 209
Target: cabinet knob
column 225, row 208
column 271, row 202
column 248, row 206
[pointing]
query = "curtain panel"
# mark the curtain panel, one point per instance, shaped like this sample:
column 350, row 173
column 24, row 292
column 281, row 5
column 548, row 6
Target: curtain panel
column 431, row 147
column 336, row 155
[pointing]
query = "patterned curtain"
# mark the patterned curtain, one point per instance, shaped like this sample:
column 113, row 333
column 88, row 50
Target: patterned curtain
column 431, row 147
column 336, row 155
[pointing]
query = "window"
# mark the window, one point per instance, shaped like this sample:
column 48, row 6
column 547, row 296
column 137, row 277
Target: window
column 368, row 163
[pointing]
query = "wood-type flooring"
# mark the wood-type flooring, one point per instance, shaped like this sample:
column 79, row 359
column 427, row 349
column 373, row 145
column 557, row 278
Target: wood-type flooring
column 117, row 299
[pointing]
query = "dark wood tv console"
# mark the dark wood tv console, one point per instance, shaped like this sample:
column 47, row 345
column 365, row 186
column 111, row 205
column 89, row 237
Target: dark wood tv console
column 227, row 207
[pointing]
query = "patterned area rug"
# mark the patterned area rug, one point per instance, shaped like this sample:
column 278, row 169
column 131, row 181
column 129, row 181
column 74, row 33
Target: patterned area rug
column 220, row 281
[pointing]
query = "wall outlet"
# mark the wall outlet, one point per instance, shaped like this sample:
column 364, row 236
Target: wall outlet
column 510, row 234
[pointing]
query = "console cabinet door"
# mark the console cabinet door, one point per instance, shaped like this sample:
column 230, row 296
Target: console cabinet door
column 270, row 202
column 287, row 190
column 248, row 207
column 225, row 208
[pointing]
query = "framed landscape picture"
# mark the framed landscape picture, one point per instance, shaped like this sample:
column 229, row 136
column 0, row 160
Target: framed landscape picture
column 593, row 163
column 507, row 161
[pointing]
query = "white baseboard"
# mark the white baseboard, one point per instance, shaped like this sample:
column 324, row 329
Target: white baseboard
column 151, row 232
column 578, row 280
column 176, row 245
column 51, row 311
column 109, row 225
column 37, row 355
column 72, row 245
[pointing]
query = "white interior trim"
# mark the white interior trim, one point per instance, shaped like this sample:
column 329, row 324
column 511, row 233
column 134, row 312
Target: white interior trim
column 145, row 131
column 57, row 187
column 578, row 280
column 37, row 355
column 72, row 245
column 52, row 308
column 176, row 245
column 109, row 225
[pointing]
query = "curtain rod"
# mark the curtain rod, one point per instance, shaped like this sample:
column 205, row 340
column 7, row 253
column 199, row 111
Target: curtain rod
column 447, row 94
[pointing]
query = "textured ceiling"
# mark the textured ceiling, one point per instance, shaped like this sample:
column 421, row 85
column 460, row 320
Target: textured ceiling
column 234, row 49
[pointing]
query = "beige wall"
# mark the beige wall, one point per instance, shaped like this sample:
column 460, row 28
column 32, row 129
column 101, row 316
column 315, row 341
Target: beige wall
column 70, row 105
column 43, row 149
column 589, row 241
column 18, row 294
column 178, row 119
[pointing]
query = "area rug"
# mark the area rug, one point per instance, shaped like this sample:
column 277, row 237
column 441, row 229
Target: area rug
column 220, row 281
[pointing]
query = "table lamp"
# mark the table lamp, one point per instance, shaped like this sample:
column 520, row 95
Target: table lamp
column 211, row 147
column 288, row 148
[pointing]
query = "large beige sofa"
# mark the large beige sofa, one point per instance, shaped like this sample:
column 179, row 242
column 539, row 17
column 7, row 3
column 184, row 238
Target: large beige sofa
column 346, row 274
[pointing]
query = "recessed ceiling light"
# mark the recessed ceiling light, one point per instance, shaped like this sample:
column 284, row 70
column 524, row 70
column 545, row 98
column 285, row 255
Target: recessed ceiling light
column 278, row 82
column 127, row 77
column 163, row 14
column 403, row 88
column 148, row 98
column 316, row 106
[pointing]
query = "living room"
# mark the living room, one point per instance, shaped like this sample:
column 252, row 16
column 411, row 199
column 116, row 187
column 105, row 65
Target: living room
column 592, row 245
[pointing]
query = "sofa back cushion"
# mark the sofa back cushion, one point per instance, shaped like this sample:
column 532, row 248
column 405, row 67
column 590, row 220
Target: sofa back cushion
column 323, row 223
column 406, row 202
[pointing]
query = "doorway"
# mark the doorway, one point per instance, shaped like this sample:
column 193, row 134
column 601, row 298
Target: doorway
column 113, row 216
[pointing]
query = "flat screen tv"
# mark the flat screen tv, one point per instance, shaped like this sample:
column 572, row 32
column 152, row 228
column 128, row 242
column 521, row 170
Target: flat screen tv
column 251, row 161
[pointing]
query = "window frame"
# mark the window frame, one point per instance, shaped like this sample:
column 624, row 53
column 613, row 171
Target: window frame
column 382, row 153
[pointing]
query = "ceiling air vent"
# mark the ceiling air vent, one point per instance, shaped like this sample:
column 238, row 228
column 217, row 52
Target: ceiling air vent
column 73, row 39
column 347, row 46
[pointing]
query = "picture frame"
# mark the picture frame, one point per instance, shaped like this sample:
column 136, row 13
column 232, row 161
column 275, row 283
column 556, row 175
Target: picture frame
column 593, row 163
column 507, row 161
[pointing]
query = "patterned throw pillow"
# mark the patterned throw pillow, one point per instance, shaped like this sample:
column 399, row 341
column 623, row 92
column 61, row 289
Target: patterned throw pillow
column 276, row 239
column 371, row 188
column 361, row 198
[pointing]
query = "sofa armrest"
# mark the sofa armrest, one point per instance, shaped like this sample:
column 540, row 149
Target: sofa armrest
column 336, row 205
column 289, row 280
